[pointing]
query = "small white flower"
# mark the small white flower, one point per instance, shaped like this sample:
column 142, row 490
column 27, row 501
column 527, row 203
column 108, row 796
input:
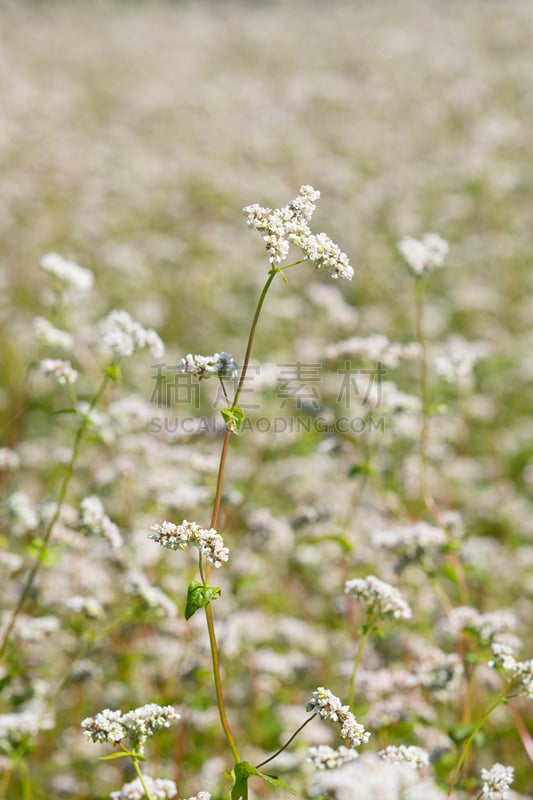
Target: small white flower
column 68, row 271
column 328, row 706
column 410, row 541
column 95, row 520
column 90, row 607
column 325, row 757
column 415, row 757
column 425, row 255
column 137, row 726
column 159, row 788
column 222, row 365
column 496, row 782
column 380, row 598
column 201, row 796
column 123, row 335
column 137, row 584
column 47, row 334
column 61, row 370
column 282, row 227
column 178, row 537
column 22, row 512
column 8, row 459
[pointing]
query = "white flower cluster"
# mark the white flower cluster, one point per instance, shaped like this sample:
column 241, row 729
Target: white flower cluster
column 8, row 459
column 282, row 227
column 159, row 788
column 328, row 706
column 425, row 255
column 62, row 371
column 325, row 757
column 27, row 722
column 376, row 347
column 221, row 365
column 122, row 334
column 388, row 397
column 457, row 365
column 138, row 585
column 496, row 782
column 47, row 334
column 95, row 520
column 179, row 537
column 137, row 726
column 22, row 512
column 410, row 541
column 68, row 271
column 487, row 626
column 201, row 796
column 415, row 757
column 503, row 658
column 90, row 607
column 379, row 597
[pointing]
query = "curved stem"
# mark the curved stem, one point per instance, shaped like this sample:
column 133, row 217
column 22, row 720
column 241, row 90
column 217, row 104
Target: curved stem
column 271, row 275
column 216, row 511
column 287, row 743
column 141, row 778
column 218, row 683
column 57, row 513
column 469, row 741
column 357, row 662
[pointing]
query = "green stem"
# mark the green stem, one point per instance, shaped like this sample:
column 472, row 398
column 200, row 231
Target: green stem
column 218, row 683
column 50, row 527
column 271, row 275
column 141, row 778
column 357, row 662
column 287, row 743
column 216, row 511
column 469, row 741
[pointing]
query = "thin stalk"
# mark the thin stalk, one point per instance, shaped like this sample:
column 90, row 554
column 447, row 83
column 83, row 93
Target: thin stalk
column 141, row 778
column 357, row 662
column 287, row 743
column 50, row 527
column 469, row 741
column 216, row 511
column 218, row 683
column 523, row 732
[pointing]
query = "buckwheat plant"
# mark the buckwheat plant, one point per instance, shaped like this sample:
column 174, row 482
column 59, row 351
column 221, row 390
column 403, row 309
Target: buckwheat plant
column 280, row 229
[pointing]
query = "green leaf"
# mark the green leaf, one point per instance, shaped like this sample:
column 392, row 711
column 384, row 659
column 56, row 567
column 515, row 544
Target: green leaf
column 123, row 754
column 199, row 596
column 233, row 417
column 65, row 411
column 451, row 573
column 243, row 771
column 360, row 469
column 113, row 371
column 458, row 733
column 48, row 556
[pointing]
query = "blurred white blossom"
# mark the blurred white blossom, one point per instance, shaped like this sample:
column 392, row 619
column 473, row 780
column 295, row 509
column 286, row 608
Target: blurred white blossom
column 62, row 371
column 68, row 271
column 424, row 255
column 379, row 597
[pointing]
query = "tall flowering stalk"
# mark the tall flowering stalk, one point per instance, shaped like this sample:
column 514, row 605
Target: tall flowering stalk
column 280, row 228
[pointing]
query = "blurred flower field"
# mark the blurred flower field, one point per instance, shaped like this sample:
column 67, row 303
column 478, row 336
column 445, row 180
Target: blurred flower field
column 376, row 505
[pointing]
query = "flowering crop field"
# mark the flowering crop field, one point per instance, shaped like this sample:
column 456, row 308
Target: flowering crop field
column 266, row 478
